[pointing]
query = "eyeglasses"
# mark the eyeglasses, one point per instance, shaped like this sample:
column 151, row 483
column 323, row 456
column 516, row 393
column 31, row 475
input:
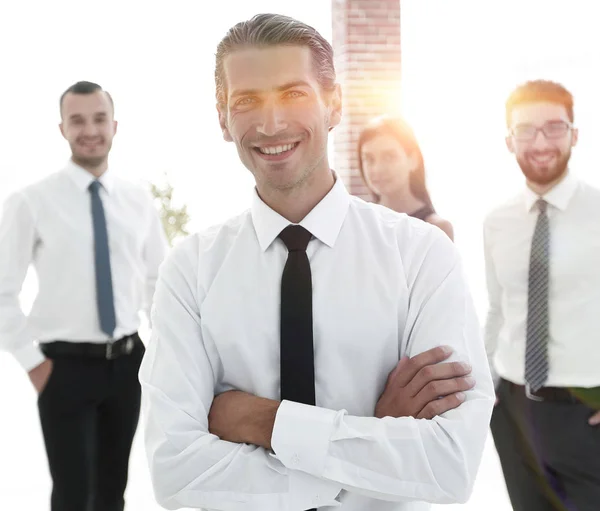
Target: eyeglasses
column 552, row 130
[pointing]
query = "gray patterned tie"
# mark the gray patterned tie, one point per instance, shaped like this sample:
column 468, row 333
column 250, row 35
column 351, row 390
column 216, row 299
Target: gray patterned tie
column 104, row 290
column 536, row 351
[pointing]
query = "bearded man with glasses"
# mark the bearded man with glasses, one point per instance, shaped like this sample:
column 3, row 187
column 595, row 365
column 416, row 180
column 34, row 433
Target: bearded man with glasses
column 542, row 250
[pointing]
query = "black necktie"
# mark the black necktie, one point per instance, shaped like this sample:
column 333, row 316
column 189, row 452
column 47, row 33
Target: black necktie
column 297, row 354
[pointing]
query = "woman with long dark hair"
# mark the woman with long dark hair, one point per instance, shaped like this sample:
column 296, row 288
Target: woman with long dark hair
column 391, row 163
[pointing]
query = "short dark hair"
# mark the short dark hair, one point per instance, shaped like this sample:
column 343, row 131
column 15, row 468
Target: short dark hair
column 265, row 30
column 537, row 91
column 84, row 87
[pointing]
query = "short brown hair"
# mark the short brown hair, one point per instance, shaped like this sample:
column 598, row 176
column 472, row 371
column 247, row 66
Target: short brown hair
column 537, row 91
column 265, row 30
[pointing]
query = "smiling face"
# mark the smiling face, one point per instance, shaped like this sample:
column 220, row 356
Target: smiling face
column 88, row 125
column 277, row 115
column 541, row 138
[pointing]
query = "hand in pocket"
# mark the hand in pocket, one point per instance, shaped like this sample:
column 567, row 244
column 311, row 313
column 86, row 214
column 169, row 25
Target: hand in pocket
column 40, row 375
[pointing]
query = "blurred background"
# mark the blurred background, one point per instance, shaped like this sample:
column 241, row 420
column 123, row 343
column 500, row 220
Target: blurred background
column 451, row 66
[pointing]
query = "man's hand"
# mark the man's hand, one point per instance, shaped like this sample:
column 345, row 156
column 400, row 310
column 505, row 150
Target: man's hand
column 242, row 418
column 423, row 388
column 39, row 375
column 594, row 419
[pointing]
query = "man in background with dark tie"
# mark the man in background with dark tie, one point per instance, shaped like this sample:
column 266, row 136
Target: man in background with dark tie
column 542, row 252
column 297, row 357
column 96, row 243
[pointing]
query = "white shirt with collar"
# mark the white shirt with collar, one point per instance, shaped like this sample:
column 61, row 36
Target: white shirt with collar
column 49, row 225
column 384, row 286
column 574, row 300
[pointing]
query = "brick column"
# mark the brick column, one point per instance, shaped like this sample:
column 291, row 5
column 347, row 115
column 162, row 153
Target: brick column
column 366, row 41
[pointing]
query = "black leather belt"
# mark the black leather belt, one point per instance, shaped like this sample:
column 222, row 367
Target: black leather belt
column 555, row 394
column 105, row 350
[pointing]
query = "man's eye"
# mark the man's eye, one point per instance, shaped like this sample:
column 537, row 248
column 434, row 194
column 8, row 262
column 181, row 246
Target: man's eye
column 245, row 102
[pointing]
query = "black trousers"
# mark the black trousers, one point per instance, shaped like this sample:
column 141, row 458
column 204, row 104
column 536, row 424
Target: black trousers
column 549, row 453
column 89, row 412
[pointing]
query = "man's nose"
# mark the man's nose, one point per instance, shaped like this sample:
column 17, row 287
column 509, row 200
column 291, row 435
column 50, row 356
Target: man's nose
column 272, row 119
column 540, row 142
column 90, row 129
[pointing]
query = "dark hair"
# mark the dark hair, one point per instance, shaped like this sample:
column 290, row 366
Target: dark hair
column 84, row 88
column 401, row 131
column 537, row 91
column 265, row 30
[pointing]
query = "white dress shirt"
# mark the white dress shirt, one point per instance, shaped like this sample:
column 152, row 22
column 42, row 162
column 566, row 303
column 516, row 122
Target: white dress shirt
column 384, row 285
column 574, row 299
column 49, row 225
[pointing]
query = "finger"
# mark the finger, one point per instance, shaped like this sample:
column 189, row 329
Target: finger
column 437, row 372
column 418, row 362
column 440, row 406
column 400, row 367
column 440, row 388
column 594, row 419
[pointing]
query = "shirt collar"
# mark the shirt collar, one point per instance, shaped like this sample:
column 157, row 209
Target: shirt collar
column 558, row 196
column 83, row 179
column 323, row 222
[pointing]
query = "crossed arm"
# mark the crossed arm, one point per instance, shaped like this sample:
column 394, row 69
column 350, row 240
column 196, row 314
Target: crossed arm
column 422, row 387
column 215, row 451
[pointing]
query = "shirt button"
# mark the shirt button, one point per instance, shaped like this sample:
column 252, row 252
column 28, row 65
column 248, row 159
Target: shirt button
column 295, row 459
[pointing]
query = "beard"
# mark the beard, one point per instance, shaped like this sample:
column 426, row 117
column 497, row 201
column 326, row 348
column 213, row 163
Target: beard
column 282, row 176
column 544, row 175
column 87, row 161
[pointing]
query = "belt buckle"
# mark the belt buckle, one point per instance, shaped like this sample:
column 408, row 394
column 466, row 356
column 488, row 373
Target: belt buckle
column 109, row 351
column 531, row 396
column 129, row 345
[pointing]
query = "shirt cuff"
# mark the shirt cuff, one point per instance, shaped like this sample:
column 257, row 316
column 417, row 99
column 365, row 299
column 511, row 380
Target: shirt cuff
column 301, row 436
column 307, row 491
column 29, row 356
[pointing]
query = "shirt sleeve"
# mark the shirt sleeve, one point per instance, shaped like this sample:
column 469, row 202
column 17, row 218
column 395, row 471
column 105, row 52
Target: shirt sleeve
column 155, row 250
column 17, row 245
column 189, row 466
column 405, row 459
column 495, row 318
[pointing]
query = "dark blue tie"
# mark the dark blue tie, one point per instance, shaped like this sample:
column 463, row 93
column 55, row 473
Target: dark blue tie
column 104, row 290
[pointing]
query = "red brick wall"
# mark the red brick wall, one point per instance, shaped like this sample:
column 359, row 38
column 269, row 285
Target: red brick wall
column 366, row 41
